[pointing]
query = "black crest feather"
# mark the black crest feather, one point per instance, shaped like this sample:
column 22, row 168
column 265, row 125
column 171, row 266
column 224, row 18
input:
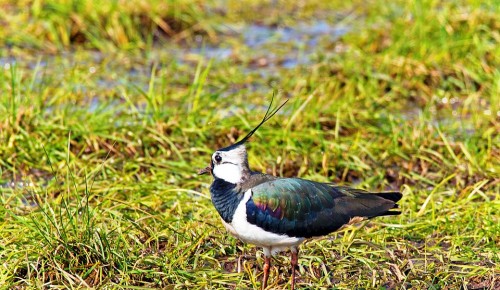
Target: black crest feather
column 269, row 114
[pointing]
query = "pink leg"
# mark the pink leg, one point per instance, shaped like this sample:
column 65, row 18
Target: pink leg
column 294, row 260
column 267, row 265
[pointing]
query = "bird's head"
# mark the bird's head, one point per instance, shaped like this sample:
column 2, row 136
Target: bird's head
column 231, row 163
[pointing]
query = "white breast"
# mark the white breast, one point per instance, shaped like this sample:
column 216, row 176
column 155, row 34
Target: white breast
column 250, row 233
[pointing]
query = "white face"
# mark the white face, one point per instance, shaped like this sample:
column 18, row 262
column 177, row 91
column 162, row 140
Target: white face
column 229, row 165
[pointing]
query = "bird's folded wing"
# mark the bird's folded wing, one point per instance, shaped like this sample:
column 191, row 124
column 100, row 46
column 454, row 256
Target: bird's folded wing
column 303, row 208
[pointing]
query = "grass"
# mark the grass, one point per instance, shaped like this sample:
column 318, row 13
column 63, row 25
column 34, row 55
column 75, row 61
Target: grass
column 100, row 141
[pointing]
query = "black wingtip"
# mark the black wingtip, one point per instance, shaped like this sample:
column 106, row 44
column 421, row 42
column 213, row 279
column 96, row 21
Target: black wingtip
column 390, row 212
column 393, row 196
column 390, row 195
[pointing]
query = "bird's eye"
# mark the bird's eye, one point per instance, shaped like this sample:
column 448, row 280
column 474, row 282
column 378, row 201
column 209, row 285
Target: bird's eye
column 218, row 158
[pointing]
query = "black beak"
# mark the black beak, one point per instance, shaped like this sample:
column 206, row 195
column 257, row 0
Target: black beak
column 205, row 170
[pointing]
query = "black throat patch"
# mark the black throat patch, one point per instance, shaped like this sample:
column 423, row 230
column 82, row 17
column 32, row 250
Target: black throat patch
column 226, row 197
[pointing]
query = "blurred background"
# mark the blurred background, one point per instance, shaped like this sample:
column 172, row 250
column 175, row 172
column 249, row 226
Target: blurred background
column 109, row 108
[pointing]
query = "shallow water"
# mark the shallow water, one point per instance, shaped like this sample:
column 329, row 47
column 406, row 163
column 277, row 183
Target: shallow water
column 268, row 48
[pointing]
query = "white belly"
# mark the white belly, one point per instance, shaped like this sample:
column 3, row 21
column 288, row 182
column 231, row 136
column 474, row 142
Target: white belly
column 250, row 233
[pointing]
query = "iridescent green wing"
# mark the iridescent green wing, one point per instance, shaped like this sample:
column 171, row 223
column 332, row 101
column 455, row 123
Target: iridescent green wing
column 304, row 208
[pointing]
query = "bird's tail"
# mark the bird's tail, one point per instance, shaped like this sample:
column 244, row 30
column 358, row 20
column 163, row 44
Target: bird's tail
column 392, row 196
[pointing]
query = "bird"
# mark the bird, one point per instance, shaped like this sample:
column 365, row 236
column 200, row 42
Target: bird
column 278, row 213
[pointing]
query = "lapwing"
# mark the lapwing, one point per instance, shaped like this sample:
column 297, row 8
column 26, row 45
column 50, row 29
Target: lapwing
column 280, row 213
